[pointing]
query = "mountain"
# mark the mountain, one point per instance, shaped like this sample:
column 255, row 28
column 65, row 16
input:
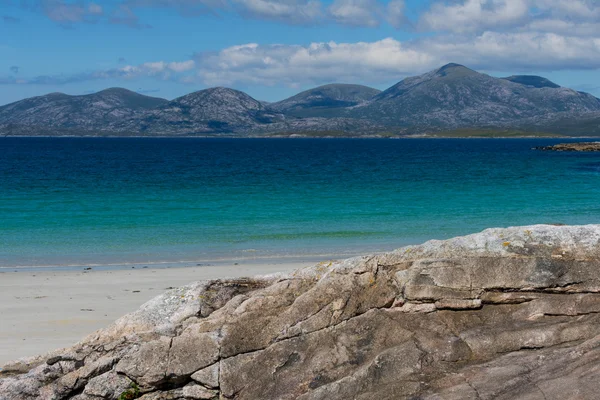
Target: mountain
column 101, row 111
column 215, row 110
column 320, row 99
column 450, row 98
column 532, row 80
column 455, row 96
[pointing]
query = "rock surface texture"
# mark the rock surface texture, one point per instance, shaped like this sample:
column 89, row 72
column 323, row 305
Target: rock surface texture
column 504, row 314
column 587, row 146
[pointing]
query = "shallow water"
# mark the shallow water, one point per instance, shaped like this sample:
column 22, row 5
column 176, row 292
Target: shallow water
column 81, row 201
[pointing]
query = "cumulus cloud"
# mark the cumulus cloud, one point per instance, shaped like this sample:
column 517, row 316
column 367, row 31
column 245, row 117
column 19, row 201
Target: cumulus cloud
column 500, row 35
column 317, row 62
column 370, row 13
column 69, row 13
column 124, row 15
column 291, row 11
column 374, row 62
column 520, row 51
column 95, row 9
column 579, row 9
column 394, row 13
column 159, row 69
column 356, row 12
column 389, row 59
column 436, row 16
column 288, row 11
column 181, row 66
column 475, row 15
column 184, row 7
column 578, row 17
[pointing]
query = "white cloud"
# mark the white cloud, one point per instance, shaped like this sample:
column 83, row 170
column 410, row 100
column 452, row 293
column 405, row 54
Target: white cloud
column 355, row 12
column 370, row 13
column 159, row 69
column 389, row 59
column 154, row 67
column 181, row 66
column 59, row 11
column 317, row 62
column 520, row 51
column 68, row 13
column 291, row 11
column 95, row 9
column 375, row 62
column 543, row 35
column 394, row 14
column 475, row 15
column 573, row 17
column 580, row 9
column 184, row 7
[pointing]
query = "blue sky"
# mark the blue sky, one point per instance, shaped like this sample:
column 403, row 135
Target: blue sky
column 275, row 48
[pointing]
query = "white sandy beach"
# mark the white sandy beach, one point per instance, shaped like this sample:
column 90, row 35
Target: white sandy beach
column 43, row 311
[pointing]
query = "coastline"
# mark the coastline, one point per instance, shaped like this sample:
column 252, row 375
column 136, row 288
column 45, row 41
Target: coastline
column 224, row 262
column 301, row 136
column 46, row 309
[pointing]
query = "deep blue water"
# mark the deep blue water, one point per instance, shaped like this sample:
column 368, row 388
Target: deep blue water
column 99, row 201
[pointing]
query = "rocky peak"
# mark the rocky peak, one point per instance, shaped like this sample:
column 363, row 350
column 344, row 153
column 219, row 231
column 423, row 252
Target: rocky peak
column 454, row 70
column 449, row 74
column 120, row 97
column 327, row 96
column 219, row 96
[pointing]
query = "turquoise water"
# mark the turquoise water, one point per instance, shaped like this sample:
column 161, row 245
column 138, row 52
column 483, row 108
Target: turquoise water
column 81, row 201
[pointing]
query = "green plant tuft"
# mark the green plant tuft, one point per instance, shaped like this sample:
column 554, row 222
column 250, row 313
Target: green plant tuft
column 132, row 393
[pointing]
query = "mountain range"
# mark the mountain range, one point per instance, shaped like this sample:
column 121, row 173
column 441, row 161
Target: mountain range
column 452, row 97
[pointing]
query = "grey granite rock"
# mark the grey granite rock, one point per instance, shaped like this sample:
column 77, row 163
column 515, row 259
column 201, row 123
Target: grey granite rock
column 503, row 314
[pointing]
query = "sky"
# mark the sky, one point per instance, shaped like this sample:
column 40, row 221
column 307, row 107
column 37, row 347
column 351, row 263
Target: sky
column 273, row 49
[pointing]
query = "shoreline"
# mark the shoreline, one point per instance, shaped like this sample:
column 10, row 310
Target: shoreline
column 299, row 136
column 184, row 264
column 45, row 310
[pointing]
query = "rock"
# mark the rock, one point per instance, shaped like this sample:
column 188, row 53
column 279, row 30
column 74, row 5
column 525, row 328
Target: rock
column 506, row 313
column 108, row 386
column 208, row 376
column 583, row 146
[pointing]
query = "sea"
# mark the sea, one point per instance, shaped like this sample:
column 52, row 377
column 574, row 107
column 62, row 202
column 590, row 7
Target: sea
column 114, row 202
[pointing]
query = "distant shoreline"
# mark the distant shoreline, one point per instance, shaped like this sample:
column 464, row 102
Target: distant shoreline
column 163, row 265
column 562, row 137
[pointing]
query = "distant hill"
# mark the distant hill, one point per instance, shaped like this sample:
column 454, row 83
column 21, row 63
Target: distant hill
column 452, row 98
column 455, row 96
column 320, row 99
column 101, row 111
column 215, row 110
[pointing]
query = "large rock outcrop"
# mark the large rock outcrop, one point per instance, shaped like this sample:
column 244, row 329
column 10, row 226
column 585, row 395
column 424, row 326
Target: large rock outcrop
column 579, row 146
column 503, row 314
